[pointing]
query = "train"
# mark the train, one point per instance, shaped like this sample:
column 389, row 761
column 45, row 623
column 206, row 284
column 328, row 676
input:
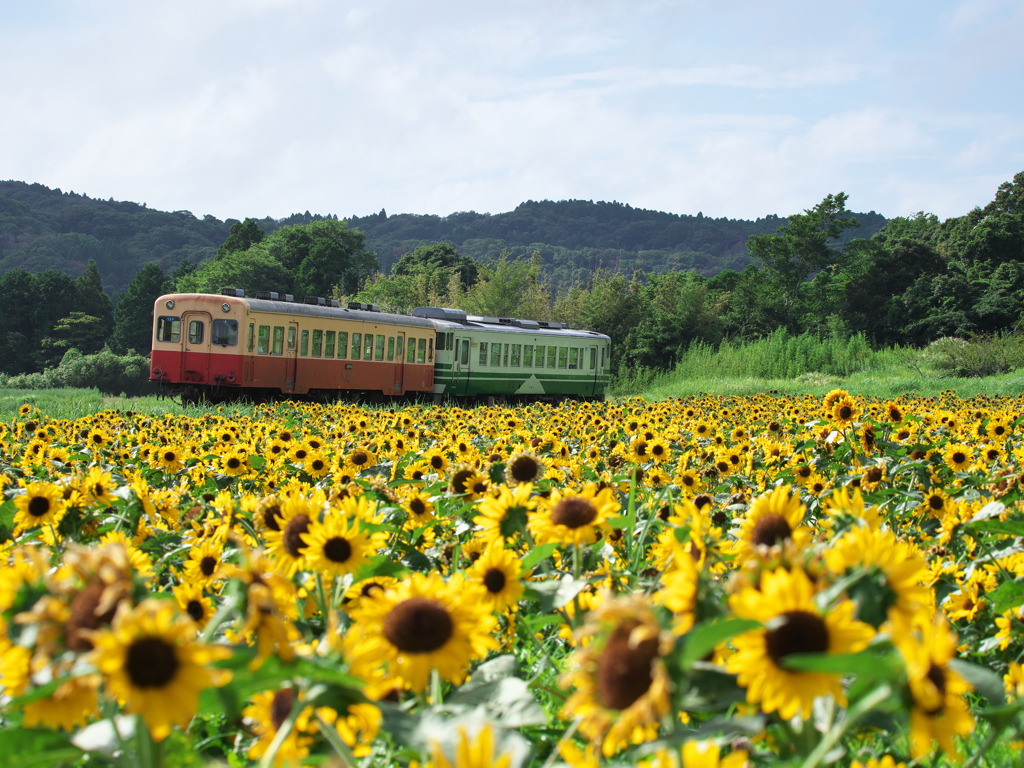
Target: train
column 218, row 347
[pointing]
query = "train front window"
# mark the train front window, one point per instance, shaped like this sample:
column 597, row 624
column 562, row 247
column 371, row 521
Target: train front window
column 195, row 331
column 318, row 342
column 263, row 347
column 329, row 344
column 224, row 333
column 168, row 329
column 357, row 345
column 278, row 340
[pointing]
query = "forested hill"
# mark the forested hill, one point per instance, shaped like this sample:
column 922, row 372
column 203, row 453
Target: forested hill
column 43, row 228
column 581, row 235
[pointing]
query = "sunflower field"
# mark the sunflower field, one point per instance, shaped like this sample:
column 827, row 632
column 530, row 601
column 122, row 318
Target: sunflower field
column 700, row 582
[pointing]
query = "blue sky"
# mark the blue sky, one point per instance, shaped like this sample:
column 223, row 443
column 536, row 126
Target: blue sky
column 735, row 108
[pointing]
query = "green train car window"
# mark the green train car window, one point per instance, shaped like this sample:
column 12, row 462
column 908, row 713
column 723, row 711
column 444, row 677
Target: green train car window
column 421, row 351
column 495, row 354
column 342, row 345
column 367, row 346
column 483, row 353
column 593, row 358
column 517, row 352
column 399, row 350
column 563, row 356
column 279, row 340
column 303, row 343
column 574, row 355
column 410, row 355
column 263, row 347
column 527, row 355
column 552, row 351
column 391, row 347
column 357, row 340
column 318, row 343
column 329, row 344
column 378, row 351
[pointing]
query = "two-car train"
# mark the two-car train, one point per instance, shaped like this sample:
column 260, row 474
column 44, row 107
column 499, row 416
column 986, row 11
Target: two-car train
column 219, row 347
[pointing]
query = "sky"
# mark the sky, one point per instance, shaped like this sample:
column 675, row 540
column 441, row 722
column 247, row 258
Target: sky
column 736, row 108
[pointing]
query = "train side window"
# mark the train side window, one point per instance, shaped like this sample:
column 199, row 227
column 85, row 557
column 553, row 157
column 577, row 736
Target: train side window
column 291, row 337
column 357, row 345
column 252, row 326
column 430, row 350
column 367, row 346
column 391, row 348
column 563, row 356
column 278, row 340
column 505, row 359
column 602, row 357
column 527, row 355
column 224, row 333
column 329, row 344
column 168, row 329
column 465, row 351
column 195, row 331
column 318, row 342
column 442, row 341
column 304, row 343
column 263, row 347
column 593, row 358
column 495, row 354
column 378, row 352
column 517, row 351
column 483, row 353
column 421, row 351
column 399, row 348
column 574, row 355
column 539, row 359
column 410, row 352
column 552, row 351
column 342, row 345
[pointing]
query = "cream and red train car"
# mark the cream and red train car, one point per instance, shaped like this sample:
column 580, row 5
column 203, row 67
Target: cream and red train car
column 226, row 346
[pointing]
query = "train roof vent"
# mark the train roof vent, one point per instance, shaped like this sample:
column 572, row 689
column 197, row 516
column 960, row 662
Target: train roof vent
column 269, row 295
column 238, row 293
column 506, row 321
column 484, row 320
column 318, row 301
column 526, row 324
column 335, row 304
column 285, row 297
column 553, row 326
column 441, row 313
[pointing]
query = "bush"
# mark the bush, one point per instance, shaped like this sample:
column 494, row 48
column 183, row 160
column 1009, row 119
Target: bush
column 110, row 373
column 980, row 356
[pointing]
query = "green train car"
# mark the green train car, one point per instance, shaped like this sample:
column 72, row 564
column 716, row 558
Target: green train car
column 510, row 359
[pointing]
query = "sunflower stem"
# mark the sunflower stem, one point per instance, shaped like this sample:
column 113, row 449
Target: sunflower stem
column 630, row 516
column 334, row 739
column 321, row 597
column 853, row 714
column 282, row 733
column 148, row 750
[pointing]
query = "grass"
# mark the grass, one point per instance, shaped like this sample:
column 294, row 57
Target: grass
column 72, row 404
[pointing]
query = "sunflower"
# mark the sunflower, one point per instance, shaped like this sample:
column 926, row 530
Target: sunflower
column 150, row 662
column 287, row 547
column 419, row 625
column 471, row 753
column 620, row 680
column 773, row 520
column 168, row 458
column 191, row 600
column 338, row 548
column 42, row 504
column 366, row 588
column 420, row 510
column 267, row 713
column 571, row 517
column 69, row 707
column 939, row 711
column 524, row 467
column 205, row 563
column 97, row 487
column 270, row 607
column 833, row 397
column 497, row 572
column 958, row 457
column 845, row 411
column 436, row 461
column 234, row 462
column 936, row 503
column 793, row 625
column 359, row 727
column 700, row 754
column 503, row 513
column 316, row 464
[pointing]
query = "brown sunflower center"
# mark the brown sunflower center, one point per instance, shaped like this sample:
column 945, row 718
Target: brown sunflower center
column 719, row 518
column 281, row 707
column 418, row 625
column 292, row 535
column 494, row 580
column 624, row 670
column 959, row 457
column 437, row 462
column 38, row 506
column 873, row 475
column 83, row 616
column 317, row 465
column 371, row 588
column 170, row 456
column 417, row 506
column 337, row 549
column 797, row 632
column 195, row 610
column 524, row 469
column 936, row 502
column 208, row 565
column 770, row 530
column 459, row 480
column 270, row 515
column 574, row 512
column 151, row 662
column 938, row 678
column 234, row 462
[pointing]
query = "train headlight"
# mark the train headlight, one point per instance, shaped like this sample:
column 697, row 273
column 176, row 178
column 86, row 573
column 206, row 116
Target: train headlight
column 170, row 304
column 225, row 307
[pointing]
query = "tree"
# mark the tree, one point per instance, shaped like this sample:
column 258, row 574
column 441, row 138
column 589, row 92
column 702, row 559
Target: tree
column 802, row 247
column 53, row 287
column 506, row 286
column 90, row 298
column 133, row 319
column 19, row 294
column 242, row 236
column 252, row 270
column 438, row 256
column 77, row 331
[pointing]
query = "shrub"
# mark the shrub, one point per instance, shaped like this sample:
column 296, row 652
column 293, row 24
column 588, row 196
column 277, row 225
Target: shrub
column 110, row 373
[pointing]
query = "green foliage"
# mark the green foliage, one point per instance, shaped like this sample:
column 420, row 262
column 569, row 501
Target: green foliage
column 242, row 236
column 90, row 299
column 252, row 270
column 981, row 356
column 77, row 331
column 133, row 318
column 110, row 373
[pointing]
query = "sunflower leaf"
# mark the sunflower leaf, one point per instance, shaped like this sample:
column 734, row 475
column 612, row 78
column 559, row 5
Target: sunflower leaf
column 537, row 554
column 702, row 639
column 986, row 682
column 1008, row 595
column 866, row 664
column 1007, row 528
column 555, row 594
column 29, row 748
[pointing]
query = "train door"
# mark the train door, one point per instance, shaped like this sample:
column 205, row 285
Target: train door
column 460, row 365
column 195, row 347
column 291, row 358
column 399, row 363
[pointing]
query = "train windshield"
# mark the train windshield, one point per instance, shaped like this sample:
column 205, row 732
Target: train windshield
column 224, row 333
column 168, row 329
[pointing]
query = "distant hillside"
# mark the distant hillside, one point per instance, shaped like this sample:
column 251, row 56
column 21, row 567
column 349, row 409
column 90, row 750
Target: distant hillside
column 42, row 228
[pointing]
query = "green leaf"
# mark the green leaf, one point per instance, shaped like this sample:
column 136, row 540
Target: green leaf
column 867, row 664
column 1007, row 528
column 1008, row 595
column 705, row 637
column 537, row 554
column 555, row 594
column 28, row 748
column 381, row 565
column 986, row 682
